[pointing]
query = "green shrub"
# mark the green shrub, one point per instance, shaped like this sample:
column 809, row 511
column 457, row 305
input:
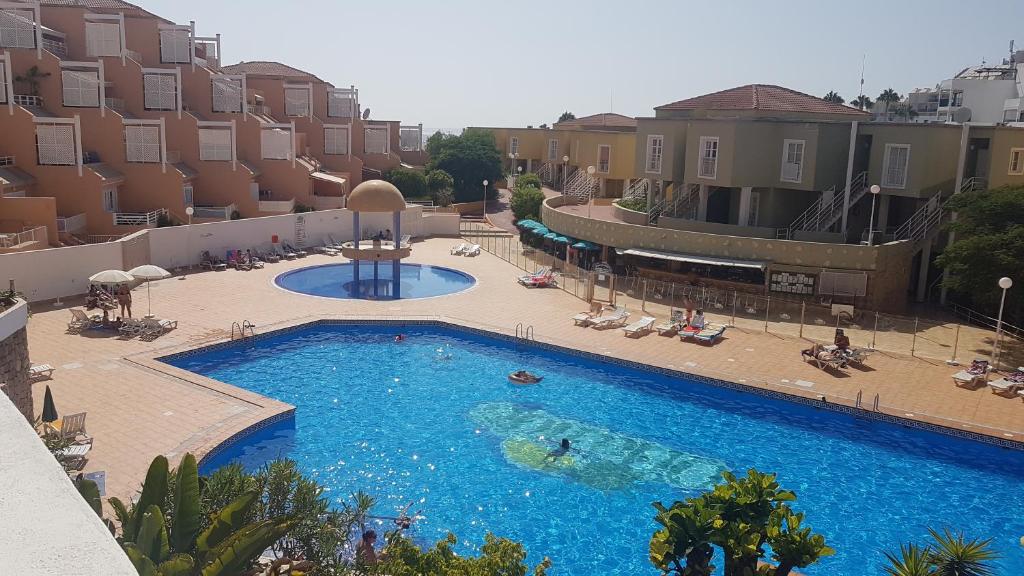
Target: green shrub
column 499, row 556
column 526, row 202
column 635, row 204
column 441, row 186
column 529, row 180
column 411, row 183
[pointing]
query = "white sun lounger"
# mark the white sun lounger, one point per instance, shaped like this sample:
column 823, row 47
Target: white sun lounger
column 473, row 250
column 286, row 254
column 617, row 317
column 1008, row 385
column 972, row 377
column 333, row 243
column 459, row 249
column 640, row 327
column 827, row 363
column 672, row 326
column 326, row 248
column 40, row 371
column 72, row 428
column 708, row 334
column 81, row 321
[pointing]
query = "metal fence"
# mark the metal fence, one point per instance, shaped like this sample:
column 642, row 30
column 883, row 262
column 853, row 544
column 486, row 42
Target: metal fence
column 924, row 337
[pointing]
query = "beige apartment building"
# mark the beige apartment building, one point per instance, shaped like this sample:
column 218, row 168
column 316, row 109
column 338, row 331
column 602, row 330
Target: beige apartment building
column 113, row 119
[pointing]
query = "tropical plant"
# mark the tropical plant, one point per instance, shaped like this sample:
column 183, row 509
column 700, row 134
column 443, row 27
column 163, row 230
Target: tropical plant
column 913, row 560
column 862, row 102
column 440, row 185
column 833, row 97
column 740, row 516
column 32, row 78
column 528, row 180
column 470, row 158
column 889, row 97
column 162, row 532
column 634, row 203
column 411, row 183
column 948, row 554
column 566, row 116
column 302, row 208
column 526, row 202
column 499, row 556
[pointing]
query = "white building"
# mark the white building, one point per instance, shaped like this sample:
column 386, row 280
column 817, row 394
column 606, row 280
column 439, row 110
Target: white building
column 981, row 94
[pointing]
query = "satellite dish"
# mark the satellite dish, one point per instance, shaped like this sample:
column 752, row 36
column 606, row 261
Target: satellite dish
column 366, row 114
column 961, row 115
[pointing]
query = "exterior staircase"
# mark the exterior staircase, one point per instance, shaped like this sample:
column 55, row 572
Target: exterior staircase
column 686, row 203
column 824, row 214
column 580, row 187
column 638, row 188
column 922, row 226
column 546, row 173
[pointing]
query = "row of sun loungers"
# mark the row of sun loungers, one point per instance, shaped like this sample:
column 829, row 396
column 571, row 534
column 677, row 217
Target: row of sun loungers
column 464, row 249
column 978, row 373
column 611, row 317
column 146, row 328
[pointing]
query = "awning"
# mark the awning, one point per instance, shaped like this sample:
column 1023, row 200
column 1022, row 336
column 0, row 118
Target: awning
column 329, row 178
column 676, row 257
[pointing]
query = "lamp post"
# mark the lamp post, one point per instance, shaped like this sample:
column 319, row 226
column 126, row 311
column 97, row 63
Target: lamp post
column 485, row 197
column 565, row 171
column 590, row 188
column 871, row 221
column 1004, row 283
column 189, row 211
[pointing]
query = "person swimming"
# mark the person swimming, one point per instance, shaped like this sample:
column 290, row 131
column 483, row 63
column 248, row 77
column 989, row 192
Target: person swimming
column 399, row 338
column 563, row 448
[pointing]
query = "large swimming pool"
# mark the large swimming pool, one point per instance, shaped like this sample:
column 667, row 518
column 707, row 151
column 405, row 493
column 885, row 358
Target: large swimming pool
column 338, row 281
column 433, row 421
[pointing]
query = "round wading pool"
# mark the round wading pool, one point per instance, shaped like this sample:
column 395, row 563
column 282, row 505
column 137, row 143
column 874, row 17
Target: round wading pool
column 338, row 281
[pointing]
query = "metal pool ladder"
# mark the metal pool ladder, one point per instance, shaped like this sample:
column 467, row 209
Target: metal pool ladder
column 524, row 332
column 243, row 328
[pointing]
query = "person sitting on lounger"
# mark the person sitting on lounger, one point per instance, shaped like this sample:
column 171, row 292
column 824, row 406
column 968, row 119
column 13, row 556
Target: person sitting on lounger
column 697, row 323
column 842, row 341
column 563, row 448
column 818, row 352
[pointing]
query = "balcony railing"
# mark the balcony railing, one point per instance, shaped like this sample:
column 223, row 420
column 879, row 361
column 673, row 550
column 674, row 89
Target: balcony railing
column 27, row 100
column 173, row 156
column 133, row 55
column 114, row 104
column 328, row 202
column 14, row 239
column 282, row 206
column 6, row 160
column 71, row 224
column 708, row 167
column 213, row 212
column 258, row 109
column 57, row 47
column 147, row 219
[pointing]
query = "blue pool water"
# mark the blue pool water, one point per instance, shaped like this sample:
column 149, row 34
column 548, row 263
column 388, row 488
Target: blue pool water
column 434, row 421
column 338, row 281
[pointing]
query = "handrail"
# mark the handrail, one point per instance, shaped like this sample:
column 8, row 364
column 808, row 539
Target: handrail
column 978, row 319
column 242, row 328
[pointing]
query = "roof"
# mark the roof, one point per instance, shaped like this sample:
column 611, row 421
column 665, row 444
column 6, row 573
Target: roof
column 764, row 97
column 376, row 196
column 13, row 177
column 186, row 171
column 105, row 171
column 604, row 120
column 268, row 68
column 100, row 5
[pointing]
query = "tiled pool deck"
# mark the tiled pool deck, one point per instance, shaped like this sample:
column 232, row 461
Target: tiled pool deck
column 138, row 407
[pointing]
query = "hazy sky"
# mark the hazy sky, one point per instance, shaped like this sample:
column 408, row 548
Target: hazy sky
column 453, row 63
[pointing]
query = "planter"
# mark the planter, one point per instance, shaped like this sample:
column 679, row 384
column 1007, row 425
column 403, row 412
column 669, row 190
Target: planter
column 629, row 216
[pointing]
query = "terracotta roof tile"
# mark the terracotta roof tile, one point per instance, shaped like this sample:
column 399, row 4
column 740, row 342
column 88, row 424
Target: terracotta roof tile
column 608, row 119
column 764, row 97
column 267, row 68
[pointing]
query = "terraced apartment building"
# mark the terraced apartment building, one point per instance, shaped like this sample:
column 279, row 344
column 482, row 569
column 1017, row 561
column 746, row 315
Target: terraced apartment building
column 113, row 119
column 764, row 189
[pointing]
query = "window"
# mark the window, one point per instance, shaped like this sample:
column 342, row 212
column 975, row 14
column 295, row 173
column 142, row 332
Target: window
column 102, row 39
column 553, row 149
column 174, row 47
column 655, row 151
column 161, row 91
column 276, row 144
column 604, row 158
column 340, row 105
column 81, row 89
column 17, row 29
column 513, row 145
column 792, row 161
column 227, row 95
column 296, row 102
column 708, row 161
column 56, row 144
column 410, row 139
column 186, row 190
column 375, row 140
column 110, row 199
column 215, row 144
column 894, row 169
column 142, row 143
column 1016, row 161
column 336, row 140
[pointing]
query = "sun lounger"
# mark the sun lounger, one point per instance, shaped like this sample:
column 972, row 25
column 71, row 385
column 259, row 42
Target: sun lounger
column 616, row 317
column 155, row 327
column 640, row 327
column 326, row 248
column 673, row 326
column 473, row 250
column 1008, row 385
column 266, row 256
column 283, row 253
column 708, row 334
column 74, row 456
column 459, row 249
column 528, row 277
column 71, row 428
column 40, row 371
column 544, row 281
column 333, row 243
column 973, row 376
column 251, row 258
column 405, row 240
column 211, row 262
column 824, row 360
column 301, row 253
column 234, row 260
column 132, row 327
column 82, row 321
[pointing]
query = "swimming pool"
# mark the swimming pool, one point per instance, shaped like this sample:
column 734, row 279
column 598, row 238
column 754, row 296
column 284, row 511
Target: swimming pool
column 338, row 281
column 433, row 421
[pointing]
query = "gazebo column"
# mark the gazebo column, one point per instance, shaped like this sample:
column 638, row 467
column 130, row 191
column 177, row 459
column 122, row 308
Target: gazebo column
column 396, row 270
column 355, row 262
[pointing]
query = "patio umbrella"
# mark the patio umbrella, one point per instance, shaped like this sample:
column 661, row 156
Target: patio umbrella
column 560, row 239
column 111, row 277
column 551, row 235
column 527, row 223
column 584, row 245
column 149, row 272
column 49, row 409
column 540, row 230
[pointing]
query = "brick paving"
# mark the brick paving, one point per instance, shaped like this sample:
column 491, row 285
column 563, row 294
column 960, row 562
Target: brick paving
column 138, row 407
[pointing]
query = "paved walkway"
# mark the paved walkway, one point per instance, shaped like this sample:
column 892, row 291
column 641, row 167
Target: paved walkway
column 138, row 408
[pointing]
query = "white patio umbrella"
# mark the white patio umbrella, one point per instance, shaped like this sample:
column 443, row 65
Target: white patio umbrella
column 115, row 277
column 149, row 272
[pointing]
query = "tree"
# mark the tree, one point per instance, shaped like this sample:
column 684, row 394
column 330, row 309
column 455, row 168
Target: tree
column 440, row 185
column 528, row 180
column 32, row 77
column 526, row 202
column 834, row 98
column 862, row 103
column 470, row 158
column 947, row 555
column 889, row 97
column 411, row 183
column 741, row 516
column 989, row 244
column 566, row 116
column 499, row 556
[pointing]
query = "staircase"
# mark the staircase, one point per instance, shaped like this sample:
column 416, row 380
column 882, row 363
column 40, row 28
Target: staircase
column 822, row 215
column 638, row 188
column 580, row 187
column 928, row 219
column 686, row 203
column 546, row 173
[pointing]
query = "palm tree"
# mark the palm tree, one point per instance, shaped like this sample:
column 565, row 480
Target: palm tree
column 955, row 556
column 888, row 97
column 32, row 78
column 833, row 97
column 862, row 102
column 566, row 116
column 912, row 561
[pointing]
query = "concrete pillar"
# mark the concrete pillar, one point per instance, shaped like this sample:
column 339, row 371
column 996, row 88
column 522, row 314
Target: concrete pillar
column 396, row 270
column 849, row 174
column 529, row 164
column 744, row 215
column 702, row 205
column 922, row 274
column 883, row 213
column 965, row 138
column 356, row 234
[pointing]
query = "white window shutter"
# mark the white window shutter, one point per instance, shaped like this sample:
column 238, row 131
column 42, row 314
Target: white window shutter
column 161, row 91
column 339, row 105
column 17, row 30
column 336, row 140
column 214, row 144
column 276, row 144
column 375, row 140
column 81, row 89
column 102, row 39
column 296, row 102
column 174, row 46
column 56, row 144
column 142, row 143
column 227, row 95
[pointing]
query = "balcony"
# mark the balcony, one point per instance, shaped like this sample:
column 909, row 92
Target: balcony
column 258, row 109
column 328, row 202
column 7, row 160
column 57, row 47
column 71, row 224
column 144, row 219
column 27, row 100
column 213, row 212
column 31, row 239
column 278, row 206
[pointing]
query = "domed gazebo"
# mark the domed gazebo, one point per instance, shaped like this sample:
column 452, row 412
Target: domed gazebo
column 376, row 196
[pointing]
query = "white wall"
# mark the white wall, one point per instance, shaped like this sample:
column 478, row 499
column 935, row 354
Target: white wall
column 58, row 272
column 13, row 319
column 985, row 98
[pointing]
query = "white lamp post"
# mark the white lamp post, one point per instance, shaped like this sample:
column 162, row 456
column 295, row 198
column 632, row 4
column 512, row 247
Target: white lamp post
column 590, row 188
column 871, row 221
column 189, row 211
column 565, row 171
column 1004, row 283
column 485, row 197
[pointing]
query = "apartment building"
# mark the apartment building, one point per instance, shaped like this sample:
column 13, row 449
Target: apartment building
column 985, row 93
column 128, row 120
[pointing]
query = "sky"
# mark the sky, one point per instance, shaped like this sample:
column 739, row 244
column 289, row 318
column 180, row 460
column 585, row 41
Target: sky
column 455, row 63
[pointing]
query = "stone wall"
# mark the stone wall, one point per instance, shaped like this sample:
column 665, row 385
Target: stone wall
column 14, row 365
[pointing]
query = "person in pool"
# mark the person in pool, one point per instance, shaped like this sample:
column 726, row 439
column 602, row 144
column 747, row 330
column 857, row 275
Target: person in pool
column 400, row 338
column 562, row 450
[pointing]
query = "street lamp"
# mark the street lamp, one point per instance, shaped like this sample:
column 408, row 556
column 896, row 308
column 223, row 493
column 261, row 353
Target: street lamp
column 1004, row 283
column 565, row 171
column 590, row 188
column 871, row 221
column 485, row 197
column 189, row 211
